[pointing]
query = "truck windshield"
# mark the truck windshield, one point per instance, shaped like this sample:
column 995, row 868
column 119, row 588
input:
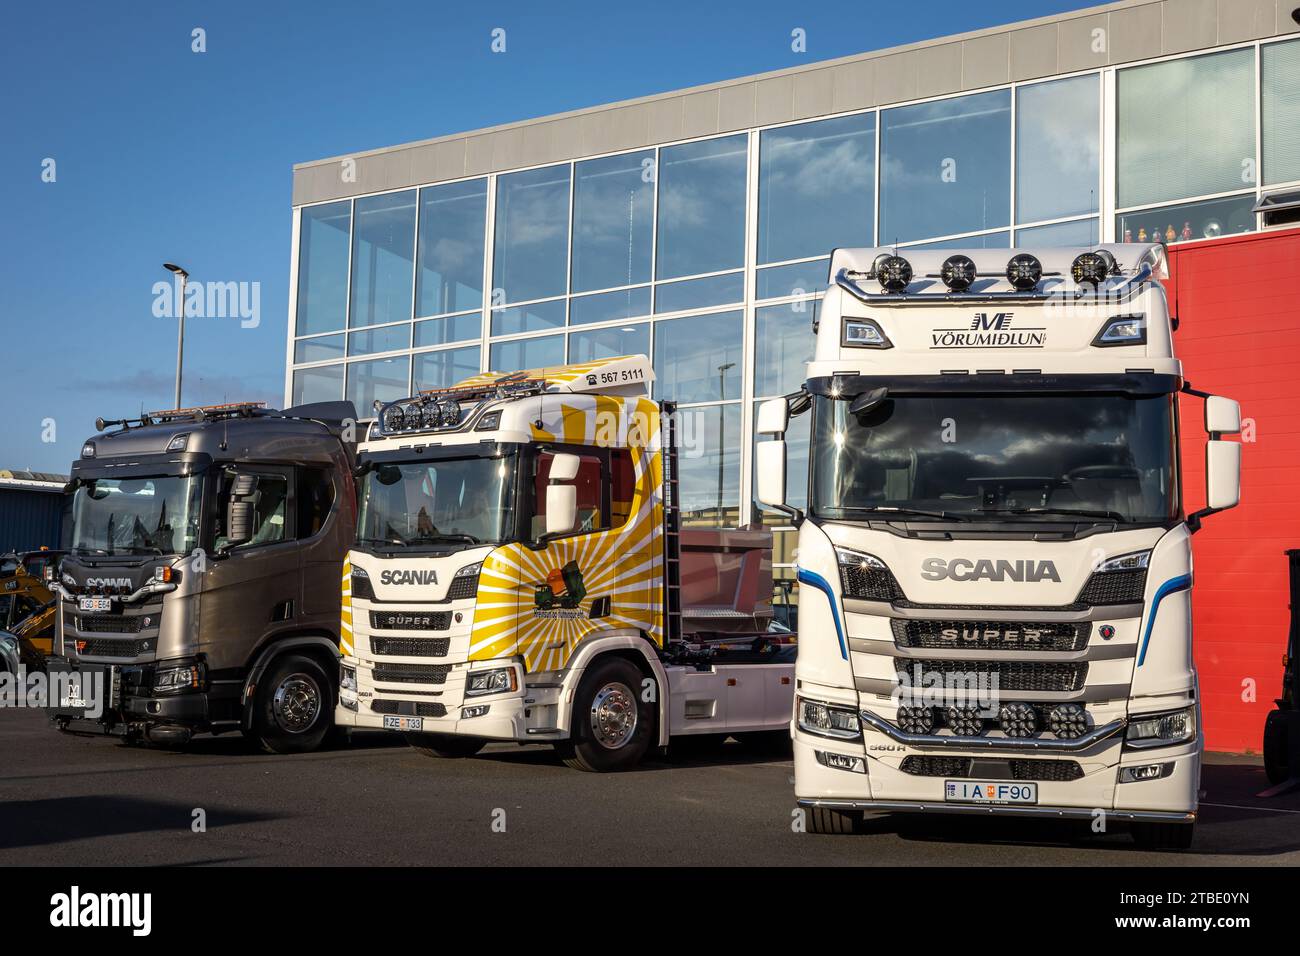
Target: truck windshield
column 148, row 515
column 960, row 457
column 438, row 502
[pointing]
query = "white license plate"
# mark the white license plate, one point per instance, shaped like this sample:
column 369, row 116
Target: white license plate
column 404, row 723
column 95, row 604
column 989, row 791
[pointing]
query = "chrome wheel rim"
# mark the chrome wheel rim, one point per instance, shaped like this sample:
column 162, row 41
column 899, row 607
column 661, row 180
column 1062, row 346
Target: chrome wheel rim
column 296, row 703
column 613, row 715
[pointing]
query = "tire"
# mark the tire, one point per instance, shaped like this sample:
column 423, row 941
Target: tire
column 447, row 746
column 608, row 697
column 830, row 821
column 294, row 707
column 1277, row 747
column 1162, row 836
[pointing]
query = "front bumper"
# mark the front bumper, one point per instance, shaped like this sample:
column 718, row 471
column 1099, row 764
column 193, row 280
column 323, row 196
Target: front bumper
column 123, row 700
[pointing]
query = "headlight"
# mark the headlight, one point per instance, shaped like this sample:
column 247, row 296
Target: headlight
column 499, row 680
column 470, row 570
column 169, row 680
column 864, row 334
column 1134, row 561
column 1159, row 730
column 866, row 577
column 1118, row 580
column 348, row 679
column 826, row 720
column 1122, row 330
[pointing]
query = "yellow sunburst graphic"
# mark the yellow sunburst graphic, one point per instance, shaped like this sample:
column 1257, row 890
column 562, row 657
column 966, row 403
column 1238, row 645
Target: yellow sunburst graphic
column 619, row 571
column 345, row 623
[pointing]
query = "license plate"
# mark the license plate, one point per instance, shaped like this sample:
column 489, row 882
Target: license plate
column 404, row 723
column 95, row 604
column 989, row 791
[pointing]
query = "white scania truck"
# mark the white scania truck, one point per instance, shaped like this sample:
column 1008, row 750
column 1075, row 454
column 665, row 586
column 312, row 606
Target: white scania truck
column 520, row 574
column 995, row 562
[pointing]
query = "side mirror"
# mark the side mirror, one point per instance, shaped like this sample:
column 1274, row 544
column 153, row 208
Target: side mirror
column 1222, row 473
column 770, row 466
column 562, row 499
column 1222, row 416
column 773, row 417
column 239, row 510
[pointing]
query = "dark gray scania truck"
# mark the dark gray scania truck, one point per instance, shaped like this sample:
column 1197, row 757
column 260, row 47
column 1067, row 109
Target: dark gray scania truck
column 201, row 593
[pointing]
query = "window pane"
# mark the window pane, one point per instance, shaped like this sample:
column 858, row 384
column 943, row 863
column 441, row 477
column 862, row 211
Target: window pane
column 702, row 207
column 945, row 167
column 453, row 219
column 384, row 380
column 609, row 306
column 383, row 250
column 323, row 267
column 613, row 206
column 700, row 293
column 531, row 243
column 708, row 462
column 796, row 471
column 324, row 384
column 1057, row 149
column 697, row 358
column 528, row 318
column 454, row 328
column 390, row 338
column 1081, row 232
column 800, row 279
column 318, row 350
column 1198, row 220
column 608, row 343
column 816, row 187
column 992, row 240
column 541, row 352
column 783, row 342
column 1281, row 124
column 446, row 367
column 1186, row 128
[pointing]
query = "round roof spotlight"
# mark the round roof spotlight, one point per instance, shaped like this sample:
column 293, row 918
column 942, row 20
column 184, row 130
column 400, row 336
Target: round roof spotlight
column 430, row 417
column 1018, row 720
column 1024, row 271
column 957, row 273
column 913, row 719
column 450, row 412
column 394, row 419
column 1089, row 268
column 893, row 273
column 965, row 721
column 1067, row 721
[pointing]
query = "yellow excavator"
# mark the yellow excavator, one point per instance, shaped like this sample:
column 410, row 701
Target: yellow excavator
column 27, row 605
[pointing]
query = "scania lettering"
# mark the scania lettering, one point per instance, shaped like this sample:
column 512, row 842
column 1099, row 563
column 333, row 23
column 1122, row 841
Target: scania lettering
column 201, row 586
column 995, row 553
column 521, row 574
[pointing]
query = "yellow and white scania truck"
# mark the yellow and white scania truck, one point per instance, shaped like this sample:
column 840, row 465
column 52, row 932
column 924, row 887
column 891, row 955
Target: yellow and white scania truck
column 520, row 573
column 995, row 561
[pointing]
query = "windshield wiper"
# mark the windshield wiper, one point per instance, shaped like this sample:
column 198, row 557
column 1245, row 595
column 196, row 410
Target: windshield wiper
column 1069, row 512
column 385, row 541
column 445, row 536
column 918, row 512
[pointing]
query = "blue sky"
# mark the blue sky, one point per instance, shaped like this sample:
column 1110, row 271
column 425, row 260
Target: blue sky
column 164, row 154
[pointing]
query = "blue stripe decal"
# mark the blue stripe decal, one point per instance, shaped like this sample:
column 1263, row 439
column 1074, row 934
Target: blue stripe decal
column 819, row 582
column 1180, row 583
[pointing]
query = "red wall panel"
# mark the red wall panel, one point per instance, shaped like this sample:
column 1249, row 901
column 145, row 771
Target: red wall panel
column 1238, row 304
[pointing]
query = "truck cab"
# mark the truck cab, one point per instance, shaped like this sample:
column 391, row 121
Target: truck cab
column 520, row 574
column 995, row 560
column 200, row 590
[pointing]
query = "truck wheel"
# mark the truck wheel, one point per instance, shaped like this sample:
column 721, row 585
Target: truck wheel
column 1277, row 754
column 1162, row 836
column 831, row 821
column 612, row 725
column 294, row 705
column 445, row 745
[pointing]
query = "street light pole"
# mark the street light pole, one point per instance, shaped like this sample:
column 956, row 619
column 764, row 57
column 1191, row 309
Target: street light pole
column 180, row 332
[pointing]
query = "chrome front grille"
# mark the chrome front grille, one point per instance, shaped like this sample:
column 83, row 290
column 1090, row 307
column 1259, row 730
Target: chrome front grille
column 957, row 634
